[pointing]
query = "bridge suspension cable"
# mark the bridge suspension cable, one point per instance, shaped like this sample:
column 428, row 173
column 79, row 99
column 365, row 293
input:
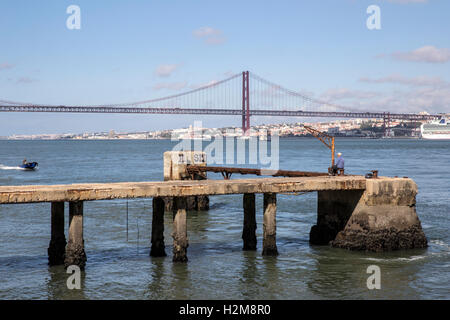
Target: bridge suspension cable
column 270, row 93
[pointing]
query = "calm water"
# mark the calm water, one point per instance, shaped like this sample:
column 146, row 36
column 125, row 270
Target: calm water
column 218, row 268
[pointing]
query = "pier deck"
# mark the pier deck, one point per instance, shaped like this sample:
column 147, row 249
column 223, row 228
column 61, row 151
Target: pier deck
column 128, row 190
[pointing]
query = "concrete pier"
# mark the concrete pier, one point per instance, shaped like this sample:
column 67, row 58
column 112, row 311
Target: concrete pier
column 75, row 254
column 249, row 230
column 57, row 247
column 270, row 225
column 179, row 233
column 353, row 212
column 158, row 248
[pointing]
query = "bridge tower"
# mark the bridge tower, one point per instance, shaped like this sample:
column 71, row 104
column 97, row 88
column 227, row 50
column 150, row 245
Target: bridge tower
column 245, row 103
column 387, row 124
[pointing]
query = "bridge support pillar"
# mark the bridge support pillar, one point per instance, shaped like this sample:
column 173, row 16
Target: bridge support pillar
column 179, row 233
column 158, row 248
column 75, row 254
column 270, row 225
column 57, row 247
column 249, row 230
column 245, row 103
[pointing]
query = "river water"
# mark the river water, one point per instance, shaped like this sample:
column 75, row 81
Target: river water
column 118, row 268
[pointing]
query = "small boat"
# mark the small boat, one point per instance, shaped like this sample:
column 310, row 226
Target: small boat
column 29, row 165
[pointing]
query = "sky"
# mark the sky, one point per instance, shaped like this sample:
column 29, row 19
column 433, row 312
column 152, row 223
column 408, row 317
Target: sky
column 136, row 50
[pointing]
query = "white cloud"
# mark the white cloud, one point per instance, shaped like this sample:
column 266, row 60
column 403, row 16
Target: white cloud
column 407, row 1
column 206, row 32
column 419, row 81
column 25, row 80
column 209, row 35
column 422, row 94
column 345, row 93
column 5, row 65
column 214, row 40
column 429, row 99
column 166, row 70
column 428, row 54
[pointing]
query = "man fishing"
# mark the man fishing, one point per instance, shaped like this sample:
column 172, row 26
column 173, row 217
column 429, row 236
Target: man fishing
column 339, row 163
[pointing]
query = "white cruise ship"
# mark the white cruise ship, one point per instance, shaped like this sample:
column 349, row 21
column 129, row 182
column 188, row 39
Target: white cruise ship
column 436, row 130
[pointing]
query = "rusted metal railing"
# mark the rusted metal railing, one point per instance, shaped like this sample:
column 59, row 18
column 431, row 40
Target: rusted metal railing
column 199, row 172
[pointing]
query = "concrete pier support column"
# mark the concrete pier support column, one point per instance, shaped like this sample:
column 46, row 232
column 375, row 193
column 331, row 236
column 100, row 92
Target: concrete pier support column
column 158, row 248
column 202, row 203
column 57, row 247
column 248, row 232
column 179, row 233
column 75, row 254
column 334, row 208
column 270, row 225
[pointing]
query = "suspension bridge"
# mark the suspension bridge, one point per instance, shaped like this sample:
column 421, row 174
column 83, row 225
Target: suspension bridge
column 244, row 94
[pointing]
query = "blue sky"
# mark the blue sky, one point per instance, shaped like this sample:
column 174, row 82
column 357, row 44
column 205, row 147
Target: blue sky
column 128, row 50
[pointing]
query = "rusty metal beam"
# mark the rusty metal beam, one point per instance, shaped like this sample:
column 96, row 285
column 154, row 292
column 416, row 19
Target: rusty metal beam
column 228, row 171
column 326, row 139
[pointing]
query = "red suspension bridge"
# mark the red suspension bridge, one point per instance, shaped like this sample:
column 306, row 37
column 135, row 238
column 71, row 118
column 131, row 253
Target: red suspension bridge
column 231, row 96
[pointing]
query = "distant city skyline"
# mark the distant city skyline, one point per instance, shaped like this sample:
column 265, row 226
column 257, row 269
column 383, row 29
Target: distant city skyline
column 337, row 127
column 137, row 50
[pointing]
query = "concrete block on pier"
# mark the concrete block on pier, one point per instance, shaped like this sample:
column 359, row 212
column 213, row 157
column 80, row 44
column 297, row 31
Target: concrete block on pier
column 175, row 164
column 382, row 217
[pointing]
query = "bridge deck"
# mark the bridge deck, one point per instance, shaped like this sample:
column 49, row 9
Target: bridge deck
column 215, row 111
column 123, row 190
